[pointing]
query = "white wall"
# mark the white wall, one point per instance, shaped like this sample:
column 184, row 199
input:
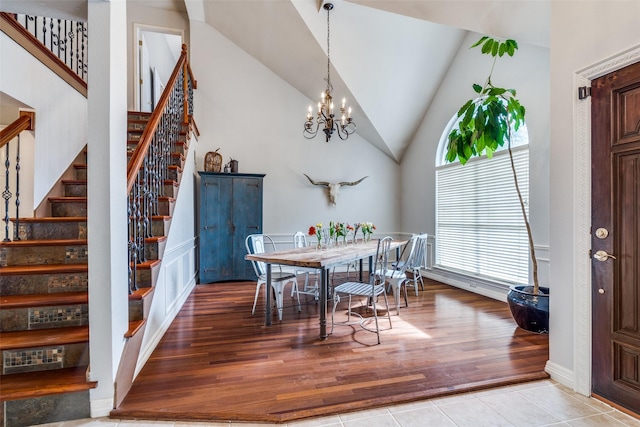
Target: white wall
column 67, row 122
column 139, row 13
column 255, row 117
column 582, row 35
column 527, row 72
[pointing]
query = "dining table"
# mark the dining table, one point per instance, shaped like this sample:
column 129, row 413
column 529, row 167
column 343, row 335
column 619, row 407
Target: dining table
column 323, row 259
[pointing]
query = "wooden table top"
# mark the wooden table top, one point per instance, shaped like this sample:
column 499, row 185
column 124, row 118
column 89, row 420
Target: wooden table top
column 312, row 257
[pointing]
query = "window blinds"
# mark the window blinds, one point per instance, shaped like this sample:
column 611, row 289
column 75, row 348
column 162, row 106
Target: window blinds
column 479, row 225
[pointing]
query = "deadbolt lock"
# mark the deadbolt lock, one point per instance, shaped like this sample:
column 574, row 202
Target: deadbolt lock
column 602, row 233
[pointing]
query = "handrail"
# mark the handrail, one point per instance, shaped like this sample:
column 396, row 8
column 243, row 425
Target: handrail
column 137, row 158
column 12, row 28
column 26, row 121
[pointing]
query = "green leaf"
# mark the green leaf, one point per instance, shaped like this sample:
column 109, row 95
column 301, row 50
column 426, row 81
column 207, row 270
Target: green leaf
column 468, row 116
column 503, row 49
column 487, row 46
column 494, row 48
column 497, row 91
column 477, row 88
column 479, row 42
column 462, row 110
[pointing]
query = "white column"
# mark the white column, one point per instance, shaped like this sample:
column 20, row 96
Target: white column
column 107, row 203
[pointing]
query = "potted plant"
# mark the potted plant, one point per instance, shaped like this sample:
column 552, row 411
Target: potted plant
column 486, row 124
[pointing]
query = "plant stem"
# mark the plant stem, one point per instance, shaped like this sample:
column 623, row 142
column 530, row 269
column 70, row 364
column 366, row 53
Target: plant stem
column 532, row 251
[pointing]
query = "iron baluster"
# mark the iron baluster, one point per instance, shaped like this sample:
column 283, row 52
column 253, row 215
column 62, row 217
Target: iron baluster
column 6, row 195
column 17, row 221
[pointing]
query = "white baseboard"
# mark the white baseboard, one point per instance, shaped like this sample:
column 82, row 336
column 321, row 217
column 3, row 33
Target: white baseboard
column 561, row 374
column 101, row 407
column 497, row 292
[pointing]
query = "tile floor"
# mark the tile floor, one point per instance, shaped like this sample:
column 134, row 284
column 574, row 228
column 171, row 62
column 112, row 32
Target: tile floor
column 540, row 403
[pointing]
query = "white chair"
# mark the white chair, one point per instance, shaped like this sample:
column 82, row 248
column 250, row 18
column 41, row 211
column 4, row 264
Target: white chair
column 371, row 290
column 416, row 261
column 300, row 241
column 397, row 276
column 261, row 243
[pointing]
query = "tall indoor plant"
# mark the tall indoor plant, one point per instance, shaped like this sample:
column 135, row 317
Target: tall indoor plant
column 486, row 123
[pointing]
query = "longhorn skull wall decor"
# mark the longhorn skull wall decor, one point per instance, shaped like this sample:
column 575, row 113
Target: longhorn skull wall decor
column 333, row 188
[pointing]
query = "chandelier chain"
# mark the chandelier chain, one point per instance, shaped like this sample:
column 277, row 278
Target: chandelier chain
column 328, row 53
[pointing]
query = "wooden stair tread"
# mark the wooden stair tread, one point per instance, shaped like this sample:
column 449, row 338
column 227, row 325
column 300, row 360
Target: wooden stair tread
column 41, row 300
column 44, row 383
column 155, row 239
column 43, row 269
column 161, row 217
column 74, row 181
column 44, row 337
column 54, row 219
column 134, row 327
column 45, row 242
column 140, row 293
column 148, row 264
column 68, row 199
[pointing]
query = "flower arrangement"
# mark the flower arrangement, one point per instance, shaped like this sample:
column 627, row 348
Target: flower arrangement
column 367, row 230
column 316, row 230
column 341, row 229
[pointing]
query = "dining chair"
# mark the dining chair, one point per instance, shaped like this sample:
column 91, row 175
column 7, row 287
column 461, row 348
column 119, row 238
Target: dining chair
column 300, row 241
column 416, row 262
column 371, row 290
column 261, row 243
column 396, row 275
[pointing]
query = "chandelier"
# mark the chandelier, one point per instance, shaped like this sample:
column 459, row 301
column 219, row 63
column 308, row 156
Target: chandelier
column 325, row 116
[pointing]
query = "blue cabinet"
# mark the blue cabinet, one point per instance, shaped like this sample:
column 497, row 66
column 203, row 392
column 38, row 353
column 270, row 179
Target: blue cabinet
column 230, row 210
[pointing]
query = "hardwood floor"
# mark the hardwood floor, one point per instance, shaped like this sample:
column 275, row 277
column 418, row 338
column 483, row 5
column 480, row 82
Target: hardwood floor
column 217, row 362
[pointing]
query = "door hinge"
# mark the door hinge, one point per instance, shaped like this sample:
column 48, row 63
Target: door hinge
column 584, row 92
column 139, row 42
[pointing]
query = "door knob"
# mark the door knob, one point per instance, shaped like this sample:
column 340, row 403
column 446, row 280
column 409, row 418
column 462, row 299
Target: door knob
column 601, row 291
column 602, row 256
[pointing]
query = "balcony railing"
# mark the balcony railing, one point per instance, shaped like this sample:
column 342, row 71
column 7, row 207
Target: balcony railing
column 65, row 39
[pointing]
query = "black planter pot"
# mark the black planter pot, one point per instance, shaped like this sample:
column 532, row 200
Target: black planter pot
column 530, row 311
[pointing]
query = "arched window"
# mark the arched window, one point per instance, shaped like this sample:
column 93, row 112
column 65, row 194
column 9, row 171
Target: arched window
column 479, row 226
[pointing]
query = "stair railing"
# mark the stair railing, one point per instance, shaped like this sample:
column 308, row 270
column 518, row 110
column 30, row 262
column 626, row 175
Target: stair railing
column 59, row 44
column 65, row 38
column 148, row 166
column 26, row 121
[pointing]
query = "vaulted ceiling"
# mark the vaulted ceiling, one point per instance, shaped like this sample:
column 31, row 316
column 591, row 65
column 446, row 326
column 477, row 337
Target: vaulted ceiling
column 387, row 56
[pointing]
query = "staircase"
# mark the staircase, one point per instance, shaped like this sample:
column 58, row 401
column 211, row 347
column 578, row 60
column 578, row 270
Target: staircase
column 44, row 314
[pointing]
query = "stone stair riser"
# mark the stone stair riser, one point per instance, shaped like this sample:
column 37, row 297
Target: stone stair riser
column 174, row 174
column 146, row 277
column 81, row 173
column 160, row 227
column 44, row 358
column 39, row 255
column 47, row 409
column 75, row 190
column 25, row 319
column 52, row 231
column 152, row 250
column 59, row 209
column 30, row 284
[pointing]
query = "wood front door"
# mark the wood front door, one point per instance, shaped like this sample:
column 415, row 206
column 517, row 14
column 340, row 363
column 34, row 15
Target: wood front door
column 615, row 242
